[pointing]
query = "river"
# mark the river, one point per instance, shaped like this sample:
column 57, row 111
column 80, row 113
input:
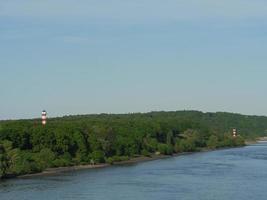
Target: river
column 239, row 173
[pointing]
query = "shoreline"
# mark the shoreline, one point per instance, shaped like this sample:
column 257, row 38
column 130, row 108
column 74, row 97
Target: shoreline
column 135, row 160
column 256, row 141
column 58, row 170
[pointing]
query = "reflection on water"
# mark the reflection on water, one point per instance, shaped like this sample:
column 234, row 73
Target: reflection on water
column 239, row 173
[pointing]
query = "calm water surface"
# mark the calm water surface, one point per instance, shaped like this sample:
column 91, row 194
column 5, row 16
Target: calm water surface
column 220, row 175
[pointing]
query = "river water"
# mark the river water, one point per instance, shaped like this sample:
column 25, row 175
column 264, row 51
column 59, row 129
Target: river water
column 230, row 174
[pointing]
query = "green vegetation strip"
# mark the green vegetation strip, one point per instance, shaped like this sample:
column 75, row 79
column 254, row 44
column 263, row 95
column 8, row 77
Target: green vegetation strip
column 27, row 147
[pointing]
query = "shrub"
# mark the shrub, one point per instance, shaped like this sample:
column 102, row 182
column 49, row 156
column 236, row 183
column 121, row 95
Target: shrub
column 97, row 156
column 212, row 142
column 165, row 149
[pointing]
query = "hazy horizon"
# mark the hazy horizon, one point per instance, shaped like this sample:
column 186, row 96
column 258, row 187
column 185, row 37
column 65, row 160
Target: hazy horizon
column 121, row 113
column 126, row 56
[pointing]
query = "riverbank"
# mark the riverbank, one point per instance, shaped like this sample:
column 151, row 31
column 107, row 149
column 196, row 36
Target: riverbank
column 181, row 178
column 135, row 160
column 260, row 139
column 53, row 171
column 138, row 159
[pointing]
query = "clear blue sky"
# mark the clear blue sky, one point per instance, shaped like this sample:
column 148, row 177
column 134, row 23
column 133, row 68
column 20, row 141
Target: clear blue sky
column 119, row 56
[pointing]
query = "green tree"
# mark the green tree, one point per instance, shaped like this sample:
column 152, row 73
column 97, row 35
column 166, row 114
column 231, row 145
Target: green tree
column 165, row 149
column 45, row 158
column 185, row 145
column 212, row 143
column 239, row 141
column 97, row 156
column 4, row 162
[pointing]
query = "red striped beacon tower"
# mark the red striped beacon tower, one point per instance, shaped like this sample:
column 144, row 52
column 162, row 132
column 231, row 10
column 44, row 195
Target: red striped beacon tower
column 44, row 118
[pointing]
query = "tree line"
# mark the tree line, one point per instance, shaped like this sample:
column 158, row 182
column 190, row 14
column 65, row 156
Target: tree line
column 28, row 147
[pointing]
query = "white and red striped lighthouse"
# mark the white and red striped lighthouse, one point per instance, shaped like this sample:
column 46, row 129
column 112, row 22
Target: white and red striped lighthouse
column 44, row 117
column 234, row 133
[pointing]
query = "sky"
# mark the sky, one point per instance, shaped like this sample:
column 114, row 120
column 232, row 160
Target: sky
column 122, row 56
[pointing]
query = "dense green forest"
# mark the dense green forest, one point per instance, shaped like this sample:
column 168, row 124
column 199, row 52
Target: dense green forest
column 28, row 147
